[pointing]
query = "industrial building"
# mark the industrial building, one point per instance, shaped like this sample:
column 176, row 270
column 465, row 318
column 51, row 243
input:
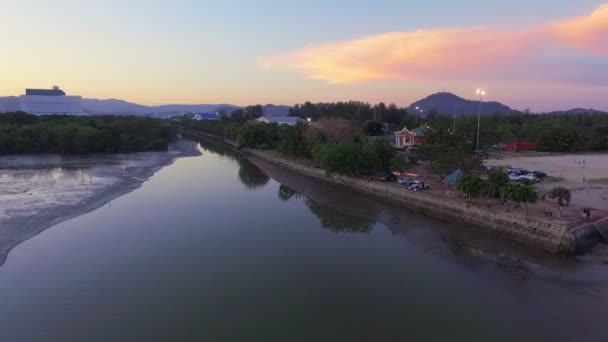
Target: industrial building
column 49, row 101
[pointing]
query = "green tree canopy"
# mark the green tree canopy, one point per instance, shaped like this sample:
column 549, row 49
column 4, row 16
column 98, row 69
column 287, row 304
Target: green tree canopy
column 471, row 185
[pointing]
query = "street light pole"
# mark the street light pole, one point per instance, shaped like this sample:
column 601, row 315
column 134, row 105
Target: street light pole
column 481, row 93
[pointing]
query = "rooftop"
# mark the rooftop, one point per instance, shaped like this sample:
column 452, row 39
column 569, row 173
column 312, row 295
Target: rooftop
column 45, row 92
column 282, row 119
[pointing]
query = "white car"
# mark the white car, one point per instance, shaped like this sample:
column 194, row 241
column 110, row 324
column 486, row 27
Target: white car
column 513, row 177
column 418, row 185
column 529, row 176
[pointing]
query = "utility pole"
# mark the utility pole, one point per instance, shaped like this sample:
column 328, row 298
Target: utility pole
column 481, row 93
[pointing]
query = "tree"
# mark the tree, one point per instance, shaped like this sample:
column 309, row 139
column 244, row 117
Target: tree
column 562, row 194
column 471, row 185
column 253, row 134
column 520, row 193
column 332, row 130
column 344, row 158
column 496, row 180
column 291, row 140
column 373, row 128
column 254, row 112
column 376, row 154
column 398, row 163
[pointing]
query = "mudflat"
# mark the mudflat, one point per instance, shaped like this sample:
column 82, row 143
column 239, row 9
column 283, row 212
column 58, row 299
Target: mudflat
column 39, row 191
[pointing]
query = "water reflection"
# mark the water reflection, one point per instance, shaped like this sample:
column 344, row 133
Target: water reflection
column 286, row 193
column 219, row 149
column 337, row 222
column 251, row 176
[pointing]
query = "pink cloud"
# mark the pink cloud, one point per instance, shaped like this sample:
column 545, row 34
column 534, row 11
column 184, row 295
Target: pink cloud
column 586, row 32
column 438, row 53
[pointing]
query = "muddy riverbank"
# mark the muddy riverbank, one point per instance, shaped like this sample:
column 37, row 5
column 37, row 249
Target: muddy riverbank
column 39, row 191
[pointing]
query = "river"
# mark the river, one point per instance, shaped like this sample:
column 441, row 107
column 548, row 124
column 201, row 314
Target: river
column 212, row 248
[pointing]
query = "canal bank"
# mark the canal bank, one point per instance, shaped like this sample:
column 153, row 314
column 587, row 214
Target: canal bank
column 553, row 236
column 550, row 234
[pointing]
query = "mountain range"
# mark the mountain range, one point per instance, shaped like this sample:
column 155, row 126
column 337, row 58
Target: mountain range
column 442, row 103
column 449, row 104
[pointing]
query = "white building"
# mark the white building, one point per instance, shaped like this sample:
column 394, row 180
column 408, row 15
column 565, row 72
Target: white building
column 49, row 101
column 281, row 120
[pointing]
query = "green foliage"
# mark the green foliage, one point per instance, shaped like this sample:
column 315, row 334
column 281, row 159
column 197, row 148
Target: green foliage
column 344, row 158
column 398, row 163
column 496, row 180
column 562, row 194
column 291, row 140
column 253, row 134
column 376, row 154
column 520, row 193
column 471, row 185
column 350, row 158
column 23, row 133
column 447, row 152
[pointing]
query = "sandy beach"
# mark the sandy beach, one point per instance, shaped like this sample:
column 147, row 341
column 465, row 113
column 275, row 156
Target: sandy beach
column 39, row 191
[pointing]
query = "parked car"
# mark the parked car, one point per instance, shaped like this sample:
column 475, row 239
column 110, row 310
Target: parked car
column 539, row 174
column 388, row 177
column 529, row 176
column 513, row 170
column 513, row 177
column 418, row 185
column 406, row 181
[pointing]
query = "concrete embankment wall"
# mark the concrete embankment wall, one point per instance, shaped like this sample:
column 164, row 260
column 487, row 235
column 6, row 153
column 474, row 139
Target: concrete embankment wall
column 553, row 236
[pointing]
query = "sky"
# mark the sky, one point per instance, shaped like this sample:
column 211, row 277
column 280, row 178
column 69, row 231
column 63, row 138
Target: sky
column 543, row 54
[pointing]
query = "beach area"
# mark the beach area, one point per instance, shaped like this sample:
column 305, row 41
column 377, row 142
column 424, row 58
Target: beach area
column 39, row 191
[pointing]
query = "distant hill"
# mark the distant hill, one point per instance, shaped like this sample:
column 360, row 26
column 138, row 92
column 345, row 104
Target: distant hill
column 112, row 106
column 579, row 111
column 450, row 104
column 9, row 104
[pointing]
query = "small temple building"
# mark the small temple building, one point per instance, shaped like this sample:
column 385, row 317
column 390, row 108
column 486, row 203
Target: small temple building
column 406, row 138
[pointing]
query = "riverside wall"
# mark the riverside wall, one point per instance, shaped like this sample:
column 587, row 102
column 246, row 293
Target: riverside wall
column 551, row 235
column 555, row 236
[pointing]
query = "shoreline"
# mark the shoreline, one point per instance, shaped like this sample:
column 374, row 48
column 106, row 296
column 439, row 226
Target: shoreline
column 18, row 226
column 555, row 236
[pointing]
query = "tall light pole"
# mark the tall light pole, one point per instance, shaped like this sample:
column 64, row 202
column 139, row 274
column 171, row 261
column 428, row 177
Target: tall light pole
column 481, row 94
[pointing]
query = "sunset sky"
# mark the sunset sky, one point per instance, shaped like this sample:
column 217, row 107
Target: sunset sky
column 543, row 55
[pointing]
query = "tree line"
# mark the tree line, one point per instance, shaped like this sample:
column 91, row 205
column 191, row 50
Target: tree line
column 564, row 132
column 25, row 133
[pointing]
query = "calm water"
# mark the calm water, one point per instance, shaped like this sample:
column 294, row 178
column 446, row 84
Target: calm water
column 212, row 249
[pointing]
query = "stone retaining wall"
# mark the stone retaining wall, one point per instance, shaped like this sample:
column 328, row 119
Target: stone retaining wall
column 553, row 236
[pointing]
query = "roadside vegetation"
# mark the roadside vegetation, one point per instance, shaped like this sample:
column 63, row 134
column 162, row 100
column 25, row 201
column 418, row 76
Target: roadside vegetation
column 24, row 133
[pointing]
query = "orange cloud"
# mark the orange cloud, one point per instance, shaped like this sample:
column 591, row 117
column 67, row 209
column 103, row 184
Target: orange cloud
column 586, row 32
column 428, row 54
column 403, row 54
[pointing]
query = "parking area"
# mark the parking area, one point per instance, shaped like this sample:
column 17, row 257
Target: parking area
column 585, row 175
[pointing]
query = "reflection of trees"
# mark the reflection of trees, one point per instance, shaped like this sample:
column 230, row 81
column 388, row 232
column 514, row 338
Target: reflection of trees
column 218, row 148
column 250, row 175
column 286, row 193
column 338, row 222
